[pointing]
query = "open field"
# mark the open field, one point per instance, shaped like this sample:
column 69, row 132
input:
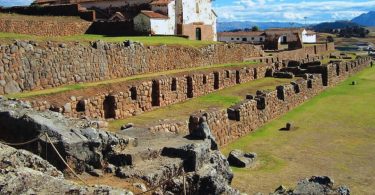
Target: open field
column 221, row 99
column 111, row 81
column 86, row 38
column 334, row 136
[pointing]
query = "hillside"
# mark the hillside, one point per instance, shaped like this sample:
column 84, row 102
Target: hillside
column 227, row 26
column 367, row 19
column 328, row 26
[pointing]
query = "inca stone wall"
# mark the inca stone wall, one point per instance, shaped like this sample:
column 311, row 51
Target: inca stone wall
column 26, row 66
column 44, row 27
column 306, row 52
column 122, row 100
column 255, row 111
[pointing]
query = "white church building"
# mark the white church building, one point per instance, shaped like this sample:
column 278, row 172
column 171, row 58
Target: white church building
column 192, row 18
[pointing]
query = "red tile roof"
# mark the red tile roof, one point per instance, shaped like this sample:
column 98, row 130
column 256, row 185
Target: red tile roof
column 242, row 33
column 160, row 2
column 152, row 14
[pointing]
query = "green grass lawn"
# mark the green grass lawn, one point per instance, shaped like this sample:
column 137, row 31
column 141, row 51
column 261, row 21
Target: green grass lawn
column 86, row 38
column 123, row 79
column 221, row 99
column 335, row 136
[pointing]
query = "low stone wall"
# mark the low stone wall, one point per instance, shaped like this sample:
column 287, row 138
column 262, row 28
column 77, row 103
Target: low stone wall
column 306, row 52
column 26, row 66
column 249, row 115
column 46, row 27
column 127, row 99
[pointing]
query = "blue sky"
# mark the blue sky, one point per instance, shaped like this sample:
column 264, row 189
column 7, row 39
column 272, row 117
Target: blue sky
column 277, row 10
column 291, row 10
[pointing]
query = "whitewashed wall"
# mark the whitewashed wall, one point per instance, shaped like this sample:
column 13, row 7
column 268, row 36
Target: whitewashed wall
column 165, row 26
column 214, row 25
column 161, row 27
column 190, row 14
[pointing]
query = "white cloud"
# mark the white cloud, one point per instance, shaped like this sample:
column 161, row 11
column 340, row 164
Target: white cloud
column 8, row 3
column 283, row 10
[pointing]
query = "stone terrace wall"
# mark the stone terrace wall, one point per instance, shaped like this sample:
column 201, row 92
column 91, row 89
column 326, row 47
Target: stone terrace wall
column 25, row 66
column 44, row 27
column 306, row 52
column 252, row 113
column 126, row 99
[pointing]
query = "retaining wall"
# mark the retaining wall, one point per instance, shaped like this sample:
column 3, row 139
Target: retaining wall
column 122, row 100
column 26, row 66
column 44, row 27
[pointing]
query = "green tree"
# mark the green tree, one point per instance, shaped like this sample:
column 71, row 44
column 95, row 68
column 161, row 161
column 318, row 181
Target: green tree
column 254, row 28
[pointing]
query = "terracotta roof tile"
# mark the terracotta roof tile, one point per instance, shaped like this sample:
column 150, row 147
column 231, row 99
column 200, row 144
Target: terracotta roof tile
column 152, row 14
column 242, row 33
column 160, row 2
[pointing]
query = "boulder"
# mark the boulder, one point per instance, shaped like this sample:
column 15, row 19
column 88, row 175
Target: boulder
column 237, row 158
column 23, row 172
column 314, row 185
column 75, row 139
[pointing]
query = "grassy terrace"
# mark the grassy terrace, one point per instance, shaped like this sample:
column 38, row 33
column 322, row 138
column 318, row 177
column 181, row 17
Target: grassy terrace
column 146, row 40
column 220, row 99
column 130, row 78
column 335, row 136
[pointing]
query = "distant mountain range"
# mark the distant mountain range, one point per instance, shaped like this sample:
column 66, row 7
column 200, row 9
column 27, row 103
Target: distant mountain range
column 227, row 26
column 366, row 19
column 328, row 26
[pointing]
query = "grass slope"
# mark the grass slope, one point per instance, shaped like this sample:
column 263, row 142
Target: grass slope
column 335, row 136
column 220, row 99
column 86, row 38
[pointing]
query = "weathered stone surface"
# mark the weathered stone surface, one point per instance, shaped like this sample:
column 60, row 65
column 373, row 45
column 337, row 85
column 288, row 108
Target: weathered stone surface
column 209, row 171
column 78, row 141
column 11, row 87
column 140, row 186
column 314, row 185
column 47, row 27
column 25, row 173
column 237, row 158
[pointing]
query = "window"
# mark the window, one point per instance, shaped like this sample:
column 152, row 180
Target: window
column 133, row 93
column 232, row 39
column 244, row 39
column 227, row 73
column 204, row 79
column 81, row 106
column 174, row 84
column 197, row 8
column 252, row 38
column 238, row 39
column 261, row 39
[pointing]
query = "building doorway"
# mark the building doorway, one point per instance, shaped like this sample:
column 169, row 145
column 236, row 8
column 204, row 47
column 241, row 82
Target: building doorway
column 198, row 34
